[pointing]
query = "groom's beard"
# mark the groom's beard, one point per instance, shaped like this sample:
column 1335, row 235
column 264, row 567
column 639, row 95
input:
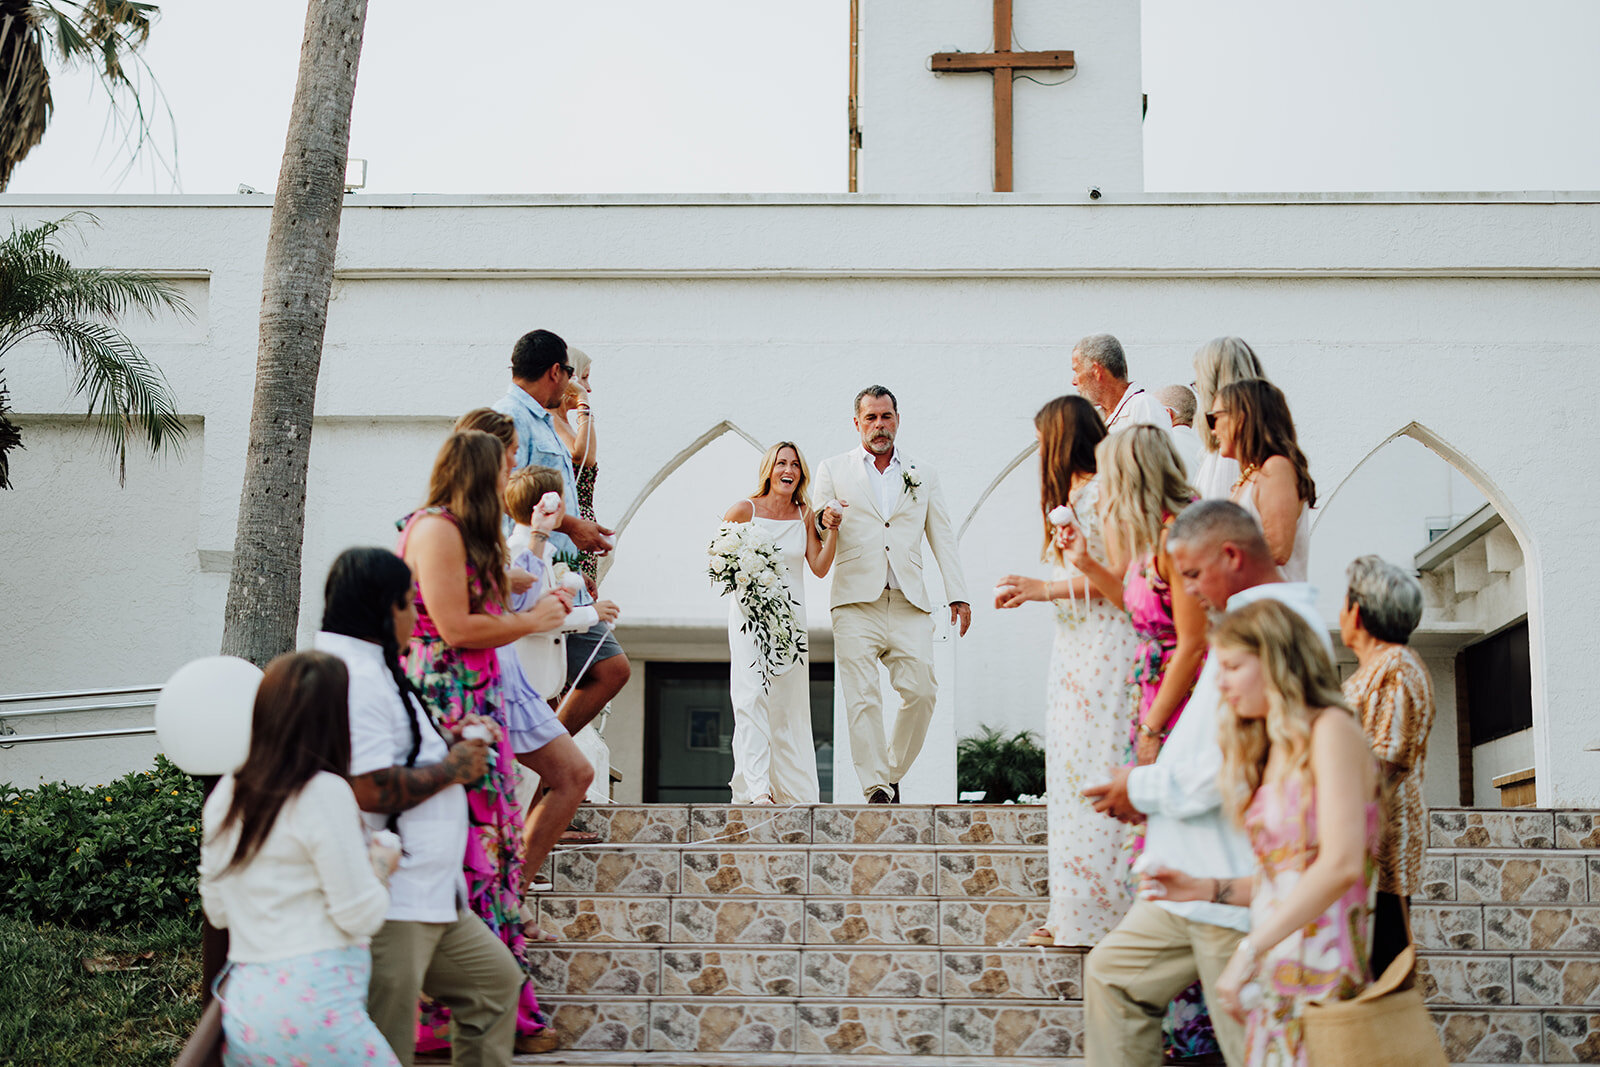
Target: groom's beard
column 881, row 443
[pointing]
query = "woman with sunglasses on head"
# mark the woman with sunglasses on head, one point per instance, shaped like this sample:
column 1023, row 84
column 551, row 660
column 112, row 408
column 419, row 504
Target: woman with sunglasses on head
column 1299, row 777
column 1252, row 424
column 285, row 869
column 408, row 776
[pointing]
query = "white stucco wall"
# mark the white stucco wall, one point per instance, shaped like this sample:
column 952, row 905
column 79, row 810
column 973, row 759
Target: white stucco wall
column 1472, row 318
column 934, row 133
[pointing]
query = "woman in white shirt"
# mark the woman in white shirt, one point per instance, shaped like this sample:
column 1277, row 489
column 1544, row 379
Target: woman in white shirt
column 284, row 867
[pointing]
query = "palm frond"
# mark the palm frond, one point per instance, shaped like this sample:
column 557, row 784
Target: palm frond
column 43, row 295
column 10, row 437
column 25, row 103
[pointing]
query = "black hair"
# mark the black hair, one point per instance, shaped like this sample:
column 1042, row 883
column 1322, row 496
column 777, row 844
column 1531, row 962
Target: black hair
column 364, row 587
column 535, row 353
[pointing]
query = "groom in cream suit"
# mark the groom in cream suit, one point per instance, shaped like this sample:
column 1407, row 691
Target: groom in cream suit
column 886, row 505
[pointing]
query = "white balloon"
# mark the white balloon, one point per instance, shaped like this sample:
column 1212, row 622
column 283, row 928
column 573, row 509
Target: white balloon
column 572, row 581
column 203, row 714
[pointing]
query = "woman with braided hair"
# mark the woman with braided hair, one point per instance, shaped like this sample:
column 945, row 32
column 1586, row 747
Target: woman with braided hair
column 407, row 775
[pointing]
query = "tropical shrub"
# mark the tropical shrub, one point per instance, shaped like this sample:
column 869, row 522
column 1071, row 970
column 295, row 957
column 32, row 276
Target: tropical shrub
column 1005, row 768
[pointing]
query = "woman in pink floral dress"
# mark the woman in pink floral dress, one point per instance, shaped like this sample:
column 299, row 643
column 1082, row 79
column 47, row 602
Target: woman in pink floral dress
column 1299, row 775
column 456, row 549
column 1087, row 710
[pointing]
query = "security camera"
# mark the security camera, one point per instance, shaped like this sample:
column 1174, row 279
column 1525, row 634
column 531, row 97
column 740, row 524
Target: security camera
column 1094, row 192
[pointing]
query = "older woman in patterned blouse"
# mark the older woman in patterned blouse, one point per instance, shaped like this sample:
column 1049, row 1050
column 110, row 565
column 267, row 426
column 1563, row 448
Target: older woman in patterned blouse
column 1393, row 694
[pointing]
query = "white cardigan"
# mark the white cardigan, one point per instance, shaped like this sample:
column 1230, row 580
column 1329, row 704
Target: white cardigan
column 311, row 886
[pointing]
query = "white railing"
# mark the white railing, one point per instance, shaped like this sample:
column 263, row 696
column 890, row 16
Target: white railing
column 15, row 706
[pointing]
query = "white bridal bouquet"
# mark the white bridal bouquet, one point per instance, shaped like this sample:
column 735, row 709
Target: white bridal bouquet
column 746, row 561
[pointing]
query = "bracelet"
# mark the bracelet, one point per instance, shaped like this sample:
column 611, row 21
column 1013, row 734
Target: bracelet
column 1144, row 728
column 541, row 535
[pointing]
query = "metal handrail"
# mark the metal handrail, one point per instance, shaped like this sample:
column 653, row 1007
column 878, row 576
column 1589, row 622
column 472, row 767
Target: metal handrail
column 73, row 709
column 7, row 740
column 72, row 694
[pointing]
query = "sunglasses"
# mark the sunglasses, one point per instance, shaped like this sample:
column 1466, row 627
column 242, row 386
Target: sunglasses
column 1211, row 419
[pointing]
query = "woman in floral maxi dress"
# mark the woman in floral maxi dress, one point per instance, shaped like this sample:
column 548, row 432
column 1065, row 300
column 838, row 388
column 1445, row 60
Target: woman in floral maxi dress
column 451, row 660
column 1086, row 724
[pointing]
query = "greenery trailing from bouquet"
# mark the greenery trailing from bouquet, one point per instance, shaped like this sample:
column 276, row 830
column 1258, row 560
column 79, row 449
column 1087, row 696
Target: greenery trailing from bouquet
column 746, row 562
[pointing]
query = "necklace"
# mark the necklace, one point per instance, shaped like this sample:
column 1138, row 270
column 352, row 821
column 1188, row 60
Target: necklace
column 1244, row 476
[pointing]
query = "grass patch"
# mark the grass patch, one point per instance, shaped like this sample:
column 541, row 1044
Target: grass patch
column 134, row 1006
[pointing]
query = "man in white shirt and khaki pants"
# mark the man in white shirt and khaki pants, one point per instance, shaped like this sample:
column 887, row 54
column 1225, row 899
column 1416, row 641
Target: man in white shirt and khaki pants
column 881, row 610
column 1161, row 947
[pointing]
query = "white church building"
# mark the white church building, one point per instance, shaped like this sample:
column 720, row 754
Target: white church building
column 1438, row 351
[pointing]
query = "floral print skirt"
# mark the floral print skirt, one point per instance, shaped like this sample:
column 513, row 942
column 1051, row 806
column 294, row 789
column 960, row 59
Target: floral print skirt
column 301, row 1011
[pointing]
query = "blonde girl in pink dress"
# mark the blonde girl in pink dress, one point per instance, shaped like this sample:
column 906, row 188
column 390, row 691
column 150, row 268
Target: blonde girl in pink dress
column 1299, row 776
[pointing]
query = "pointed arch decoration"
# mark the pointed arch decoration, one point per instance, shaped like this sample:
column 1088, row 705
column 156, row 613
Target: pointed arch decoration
column 668, row 468
column 1016, row 461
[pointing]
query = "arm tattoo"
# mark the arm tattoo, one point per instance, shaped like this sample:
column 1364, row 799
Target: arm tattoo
column 1224, row 893
column 402, row 788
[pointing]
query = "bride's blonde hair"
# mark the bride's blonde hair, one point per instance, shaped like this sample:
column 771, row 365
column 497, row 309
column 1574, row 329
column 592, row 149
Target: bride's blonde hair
column 1300, row 681
column 1142, row 481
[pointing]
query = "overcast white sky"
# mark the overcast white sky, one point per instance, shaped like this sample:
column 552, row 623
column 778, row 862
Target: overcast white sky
column 748, row 96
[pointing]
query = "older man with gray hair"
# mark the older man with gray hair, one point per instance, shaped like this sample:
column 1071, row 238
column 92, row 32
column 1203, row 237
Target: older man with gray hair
column 1100, row 375
column 1393, row 694
column 1179, row 400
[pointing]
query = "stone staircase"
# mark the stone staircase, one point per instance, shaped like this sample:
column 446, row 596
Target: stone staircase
column 709, row 934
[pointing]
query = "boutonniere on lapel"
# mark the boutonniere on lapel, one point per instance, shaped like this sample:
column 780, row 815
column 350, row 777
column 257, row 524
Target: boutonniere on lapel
column 911, row 481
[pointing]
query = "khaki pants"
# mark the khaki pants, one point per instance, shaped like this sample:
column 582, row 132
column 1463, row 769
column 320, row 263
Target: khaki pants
column 891, row 631
column 463, row 966
column 1133, row 974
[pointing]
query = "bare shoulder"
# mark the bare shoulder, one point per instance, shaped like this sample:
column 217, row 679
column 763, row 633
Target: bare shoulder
column 741, row 511
column 1277, row 467
column 1336, row 731
column 433, row 531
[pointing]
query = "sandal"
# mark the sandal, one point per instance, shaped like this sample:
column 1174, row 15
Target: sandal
column 764, row 798
column 1042, row 937
column 570, row 836
column 536, row 933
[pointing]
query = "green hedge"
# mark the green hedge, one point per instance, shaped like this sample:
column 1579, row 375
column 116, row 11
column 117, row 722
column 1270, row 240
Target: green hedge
column 123, row 854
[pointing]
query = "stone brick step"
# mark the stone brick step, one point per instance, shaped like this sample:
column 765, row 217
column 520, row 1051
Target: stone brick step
column 1501, row 928
column 878, row 972
column 822, row 824
column 1537, row 828
column 798, row 870
column 832, row 1032
column 1502, row 980
column 819, row 1027
column 577, row 1058
column 791, row 920
column 1523, row 876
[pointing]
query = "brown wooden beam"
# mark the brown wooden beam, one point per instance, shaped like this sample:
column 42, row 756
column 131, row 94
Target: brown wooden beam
column 974, row 61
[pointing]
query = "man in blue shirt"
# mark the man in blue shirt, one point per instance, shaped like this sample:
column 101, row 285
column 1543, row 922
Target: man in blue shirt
column 540, row 371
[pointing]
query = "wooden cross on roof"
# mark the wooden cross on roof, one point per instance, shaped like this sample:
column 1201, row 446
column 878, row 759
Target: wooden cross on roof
column 1001, row 63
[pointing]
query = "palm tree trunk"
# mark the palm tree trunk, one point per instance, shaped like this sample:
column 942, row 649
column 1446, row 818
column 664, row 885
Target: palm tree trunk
column 264, row 590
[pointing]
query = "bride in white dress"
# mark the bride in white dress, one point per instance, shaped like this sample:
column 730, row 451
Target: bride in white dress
column 774, row 759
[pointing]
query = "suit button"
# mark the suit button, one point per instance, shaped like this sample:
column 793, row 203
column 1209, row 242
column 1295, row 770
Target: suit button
column 885, row 526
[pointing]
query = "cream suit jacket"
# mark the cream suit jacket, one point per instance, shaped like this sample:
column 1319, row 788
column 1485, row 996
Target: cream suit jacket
column 869, row 539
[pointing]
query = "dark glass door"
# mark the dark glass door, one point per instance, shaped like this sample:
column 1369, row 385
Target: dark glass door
column 689, row 731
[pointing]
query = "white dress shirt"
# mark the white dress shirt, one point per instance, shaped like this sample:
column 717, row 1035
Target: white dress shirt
column 428, row 885
column 1186, row 828
column 887, row 486
column 1135, row 407
column 1187, row 442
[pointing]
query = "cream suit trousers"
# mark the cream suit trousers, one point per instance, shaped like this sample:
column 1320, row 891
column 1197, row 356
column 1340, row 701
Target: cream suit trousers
column 888, row 630
column 1134, row 972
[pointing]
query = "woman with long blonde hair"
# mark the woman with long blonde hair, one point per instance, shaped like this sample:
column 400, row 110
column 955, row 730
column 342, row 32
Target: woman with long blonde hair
column 1144, row 490
column 1300, row 777
column 1086, row 712
column 1220, row 361
column 457, row 551
column 774, row 756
